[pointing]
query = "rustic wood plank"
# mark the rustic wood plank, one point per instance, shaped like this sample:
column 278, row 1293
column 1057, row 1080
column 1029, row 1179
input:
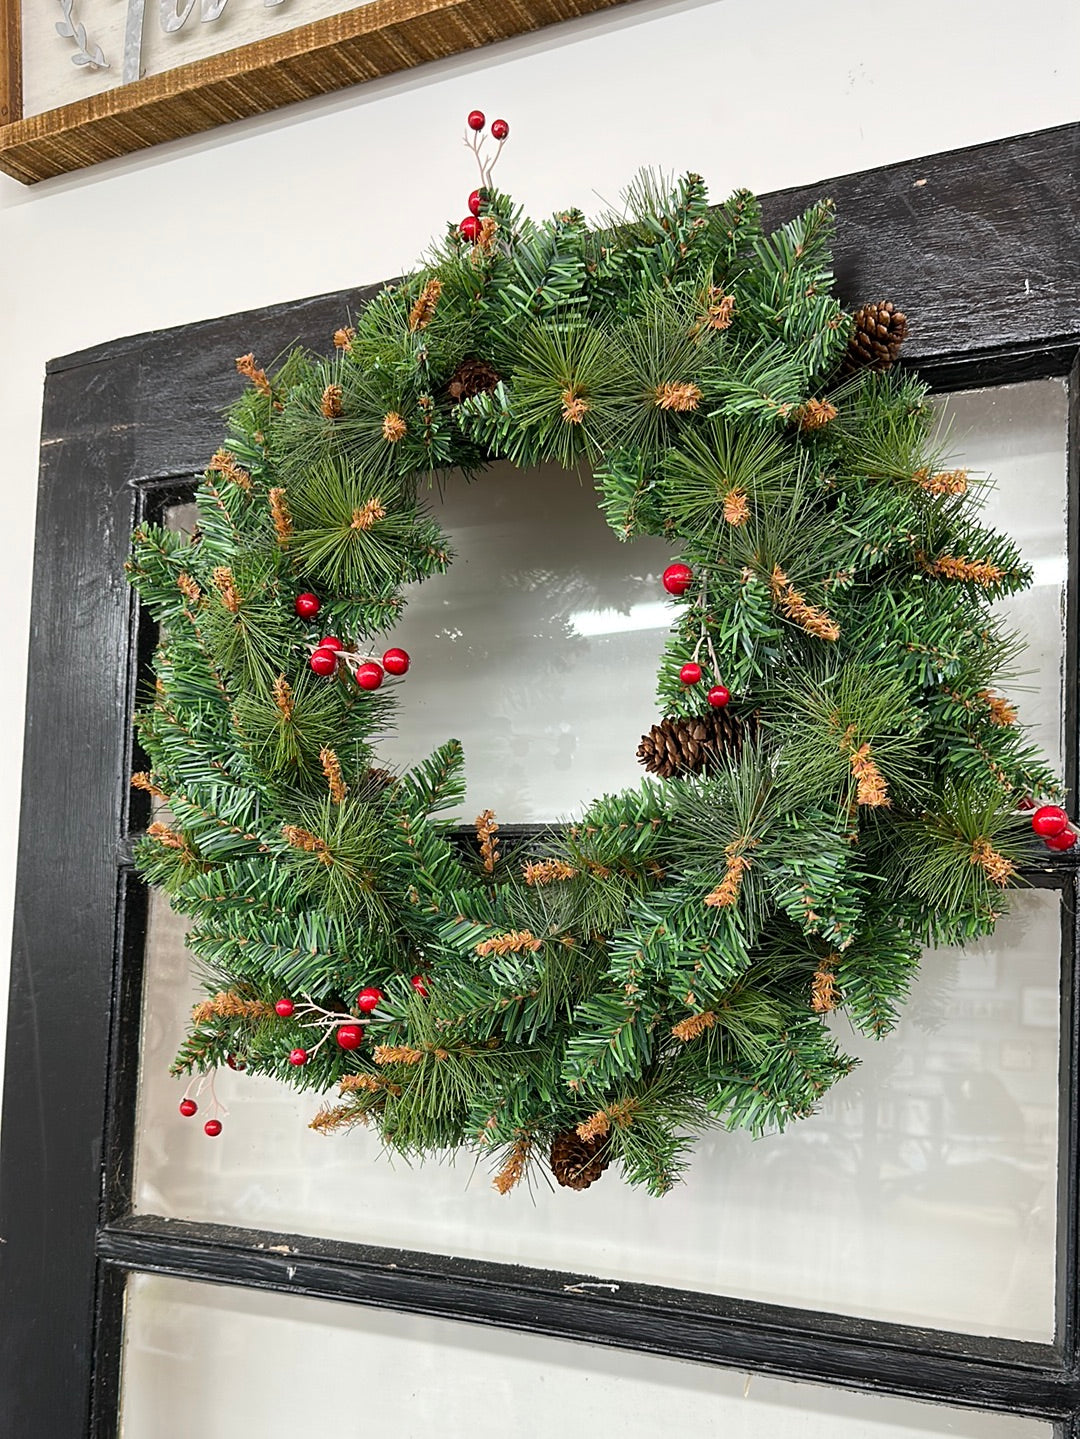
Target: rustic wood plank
column 378, row 39
column 980, row 245
column 956, row 1369
column 10, row 63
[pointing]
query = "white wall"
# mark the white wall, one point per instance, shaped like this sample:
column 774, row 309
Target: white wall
column 346, row 190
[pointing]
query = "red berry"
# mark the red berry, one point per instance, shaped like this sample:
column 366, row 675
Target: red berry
column 284, row 1007
column 188, row 1107
column 500, row 129
column 418, row 984
column 236, row 1063
column 330, row 642
column 323, row 661
column 368, row 999
column 476, row 199
column 212, row 1127
column 1065, row 840
column 298, row 1056
column 307, row 605
column 476, row 120
column 395, row 662
column 718, row 697
column 350, row 1036
column 470, row 228
column 1049, row 820
column 369, row 676
column 690, row 673
column 677, row 578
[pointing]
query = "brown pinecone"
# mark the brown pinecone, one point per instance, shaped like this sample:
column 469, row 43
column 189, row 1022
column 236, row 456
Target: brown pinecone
column 576, row 1162
column 678, row 745
column 376, row 782
column 472, row 377
column 876, row 338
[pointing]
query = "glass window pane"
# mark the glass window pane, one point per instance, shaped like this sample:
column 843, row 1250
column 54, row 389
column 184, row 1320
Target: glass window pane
column 230, row 1362
column 538, row 649
column 923, row 1192
column 1016, row 435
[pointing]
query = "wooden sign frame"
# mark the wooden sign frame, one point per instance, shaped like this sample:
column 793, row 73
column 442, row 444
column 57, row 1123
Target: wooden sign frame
column 376, row 39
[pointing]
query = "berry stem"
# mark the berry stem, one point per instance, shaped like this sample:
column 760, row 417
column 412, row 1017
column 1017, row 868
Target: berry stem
column 475, row 142
column 704, row 638
column 217, row 1107
column 319, row 1018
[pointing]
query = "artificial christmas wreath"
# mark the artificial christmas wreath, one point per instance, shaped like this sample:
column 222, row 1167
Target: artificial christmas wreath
column 836, row 781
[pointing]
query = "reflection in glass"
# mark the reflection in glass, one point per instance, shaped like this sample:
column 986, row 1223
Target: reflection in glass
column 227, row 1363
column 538, row 649
column 924, row 1191
column 1016, row 436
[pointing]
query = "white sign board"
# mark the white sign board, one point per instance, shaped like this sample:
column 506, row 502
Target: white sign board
column 76, row 48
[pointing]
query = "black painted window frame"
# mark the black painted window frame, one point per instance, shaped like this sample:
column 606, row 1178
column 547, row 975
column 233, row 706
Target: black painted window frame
column 983, row 247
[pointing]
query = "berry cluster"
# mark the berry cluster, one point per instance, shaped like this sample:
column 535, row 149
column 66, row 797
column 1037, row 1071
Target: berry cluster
column 1054, row 827
column 677, row 579
column 471, row 228
column 189, row 1106
column 329, row 653
column 347, row 1033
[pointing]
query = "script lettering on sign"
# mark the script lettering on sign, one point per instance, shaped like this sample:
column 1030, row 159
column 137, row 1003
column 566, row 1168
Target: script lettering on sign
column 173, row 15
